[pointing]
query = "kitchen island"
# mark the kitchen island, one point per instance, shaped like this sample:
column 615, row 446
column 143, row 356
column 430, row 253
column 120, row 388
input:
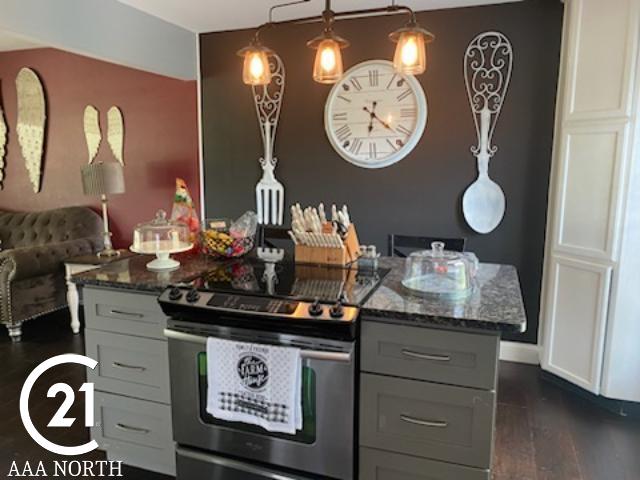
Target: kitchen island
column 427, row 370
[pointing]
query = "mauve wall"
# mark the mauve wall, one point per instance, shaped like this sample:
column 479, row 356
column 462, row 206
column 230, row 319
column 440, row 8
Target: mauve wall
column 161, row 137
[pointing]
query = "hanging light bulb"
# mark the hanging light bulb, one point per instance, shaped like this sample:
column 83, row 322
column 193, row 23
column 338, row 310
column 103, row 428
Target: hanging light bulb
column 328, row 67
column 411, row 53
column 256, row 69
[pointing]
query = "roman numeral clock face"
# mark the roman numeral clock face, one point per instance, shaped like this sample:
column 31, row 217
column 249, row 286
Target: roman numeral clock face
column 374, row 116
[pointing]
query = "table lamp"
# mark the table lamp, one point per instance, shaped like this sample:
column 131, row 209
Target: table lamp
column 104, row 179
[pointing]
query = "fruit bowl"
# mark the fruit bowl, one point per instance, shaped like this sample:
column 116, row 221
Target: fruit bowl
column 220, row 241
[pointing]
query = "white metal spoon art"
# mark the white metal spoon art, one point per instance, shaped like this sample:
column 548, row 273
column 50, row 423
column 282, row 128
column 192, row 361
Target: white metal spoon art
column 488, row 63
column 268, row 100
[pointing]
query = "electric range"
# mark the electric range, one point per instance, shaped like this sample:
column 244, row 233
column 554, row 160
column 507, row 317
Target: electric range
column 313, row 308
column 315, row 300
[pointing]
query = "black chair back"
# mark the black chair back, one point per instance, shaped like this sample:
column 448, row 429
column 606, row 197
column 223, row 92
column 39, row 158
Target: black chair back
column 401, row 245
column 272, row 237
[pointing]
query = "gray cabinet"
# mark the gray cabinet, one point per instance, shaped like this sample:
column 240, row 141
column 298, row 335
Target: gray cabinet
column 380, row 465
column 133, row 403
column 427, row 403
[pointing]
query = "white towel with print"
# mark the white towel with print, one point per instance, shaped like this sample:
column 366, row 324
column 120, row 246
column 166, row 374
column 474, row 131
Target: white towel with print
column 256, row 384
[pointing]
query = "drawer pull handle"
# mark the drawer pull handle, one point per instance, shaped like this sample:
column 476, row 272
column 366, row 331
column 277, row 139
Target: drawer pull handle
column 427, row 356
column 126, row 314
column 128, row 367
column 424, row 423
column 129, row 428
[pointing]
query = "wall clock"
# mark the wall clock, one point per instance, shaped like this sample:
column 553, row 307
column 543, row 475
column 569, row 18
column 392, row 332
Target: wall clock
column 375, row 116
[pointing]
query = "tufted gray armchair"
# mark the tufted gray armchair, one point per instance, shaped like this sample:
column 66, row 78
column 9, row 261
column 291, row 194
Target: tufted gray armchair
column 34, row 247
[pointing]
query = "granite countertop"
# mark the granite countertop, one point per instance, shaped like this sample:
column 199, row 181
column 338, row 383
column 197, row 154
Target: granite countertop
column 131, row 273
column 496, row 303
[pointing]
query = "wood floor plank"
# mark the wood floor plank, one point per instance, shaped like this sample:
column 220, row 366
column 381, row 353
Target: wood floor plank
column 555, row 453
column 594, row 445
column 514, row 452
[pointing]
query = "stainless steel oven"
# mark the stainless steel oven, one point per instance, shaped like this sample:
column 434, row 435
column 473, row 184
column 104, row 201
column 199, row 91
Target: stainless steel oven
column 216, row 449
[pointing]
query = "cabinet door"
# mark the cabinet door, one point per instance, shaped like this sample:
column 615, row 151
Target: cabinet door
column 589, row 192
column 576, row 320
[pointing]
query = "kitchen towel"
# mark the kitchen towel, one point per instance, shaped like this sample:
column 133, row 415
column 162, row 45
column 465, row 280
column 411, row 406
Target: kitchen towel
column 255, row 383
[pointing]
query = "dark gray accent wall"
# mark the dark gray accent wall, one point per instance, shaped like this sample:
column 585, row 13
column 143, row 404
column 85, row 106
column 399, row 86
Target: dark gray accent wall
column 421, row 194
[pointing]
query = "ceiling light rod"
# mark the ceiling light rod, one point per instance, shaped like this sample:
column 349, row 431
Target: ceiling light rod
column 393, row 8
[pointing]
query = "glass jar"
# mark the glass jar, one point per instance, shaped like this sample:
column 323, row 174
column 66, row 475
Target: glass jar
column 440, row 273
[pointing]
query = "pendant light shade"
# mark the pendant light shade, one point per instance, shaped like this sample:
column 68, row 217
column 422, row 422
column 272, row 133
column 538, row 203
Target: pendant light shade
column 411, row 52
column 328, row 67
column 256, row 69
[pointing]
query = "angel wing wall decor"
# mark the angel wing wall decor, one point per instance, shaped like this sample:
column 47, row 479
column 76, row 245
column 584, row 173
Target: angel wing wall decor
column 115, row 133
column 31, row 123
column 3, row 144
column 92, row 131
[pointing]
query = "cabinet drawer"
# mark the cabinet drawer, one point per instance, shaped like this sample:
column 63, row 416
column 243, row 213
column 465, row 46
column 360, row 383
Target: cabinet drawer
column 133, row 366
column 137, row 432
column 440, row 422
column 379, row 465
column 124, row 312
column 442, row 356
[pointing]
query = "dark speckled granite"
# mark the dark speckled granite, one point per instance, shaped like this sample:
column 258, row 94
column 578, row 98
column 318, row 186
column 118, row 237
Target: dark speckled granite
column 496, row 303
column 132, row 273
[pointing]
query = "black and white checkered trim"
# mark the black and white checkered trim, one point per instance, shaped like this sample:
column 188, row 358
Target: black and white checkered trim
column 235, row 402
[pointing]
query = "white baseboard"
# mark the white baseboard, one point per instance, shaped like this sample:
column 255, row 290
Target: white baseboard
column 519, row 352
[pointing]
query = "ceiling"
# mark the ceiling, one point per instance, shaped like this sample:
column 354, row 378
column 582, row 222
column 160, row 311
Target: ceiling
column 9, row 42
column 216, row 15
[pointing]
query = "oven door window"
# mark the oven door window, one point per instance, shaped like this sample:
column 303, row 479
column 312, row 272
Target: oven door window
column 306, row 435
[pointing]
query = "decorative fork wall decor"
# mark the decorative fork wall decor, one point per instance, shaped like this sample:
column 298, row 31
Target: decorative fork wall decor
column 268, row 101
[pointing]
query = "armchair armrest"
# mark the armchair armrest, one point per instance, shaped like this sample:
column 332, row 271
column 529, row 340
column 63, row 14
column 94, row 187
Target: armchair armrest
column 27, row 262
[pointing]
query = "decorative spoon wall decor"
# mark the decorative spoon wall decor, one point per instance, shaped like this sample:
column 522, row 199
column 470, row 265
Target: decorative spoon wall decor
column 488, row 63
column 115, row 133
column 268, row 100
column 3, row 144
column 92, row 132
column 31, row 123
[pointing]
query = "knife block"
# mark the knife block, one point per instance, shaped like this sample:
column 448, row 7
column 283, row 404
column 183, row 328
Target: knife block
column 341, row 256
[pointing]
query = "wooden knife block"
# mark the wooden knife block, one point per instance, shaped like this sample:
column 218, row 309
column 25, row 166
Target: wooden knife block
column 342, row 256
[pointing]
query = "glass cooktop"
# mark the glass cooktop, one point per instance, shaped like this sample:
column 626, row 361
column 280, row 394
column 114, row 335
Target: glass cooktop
column 290, row 280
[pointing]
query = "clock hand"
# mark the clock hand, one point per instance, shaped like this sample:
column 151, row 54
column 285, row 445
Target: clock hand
column 384, row 124
column 371, row 116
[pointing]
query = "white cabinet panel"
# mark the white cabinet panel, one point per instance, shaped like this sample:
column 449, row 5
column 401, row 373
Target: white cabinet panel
column 589, row 182
column 574, row 335
column 600, row 72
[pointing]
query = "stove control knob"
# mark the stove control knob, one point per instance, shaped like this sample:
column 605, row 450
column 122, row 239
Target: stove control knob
column 175, row 294
column 336, row 310
column 193, row 296
column 315, row 309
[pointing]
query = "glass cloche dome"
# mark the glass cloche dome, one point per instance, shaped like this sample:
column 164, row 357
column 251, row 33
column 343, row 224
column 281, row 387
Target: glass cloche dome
column 161, row 237
column 440, row 273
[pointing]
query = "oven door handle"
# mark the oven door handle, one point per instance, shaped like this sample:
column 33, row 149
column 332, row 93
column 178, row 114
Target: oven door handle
column 344, row 357
column 227, row 463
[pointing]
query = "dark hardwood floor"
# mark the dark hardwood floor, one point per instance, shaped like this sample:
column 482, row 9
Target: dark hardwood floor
column 543, row 431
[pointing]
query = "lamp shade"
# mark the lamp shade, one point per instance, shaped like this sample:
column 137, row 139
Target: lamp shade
column 102, row 178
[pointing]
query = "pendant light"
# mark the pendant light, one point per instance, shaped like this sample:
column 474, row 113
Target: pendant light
column 256, row 69
column 410, row 56
column 328, row 67
column 411, row 52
